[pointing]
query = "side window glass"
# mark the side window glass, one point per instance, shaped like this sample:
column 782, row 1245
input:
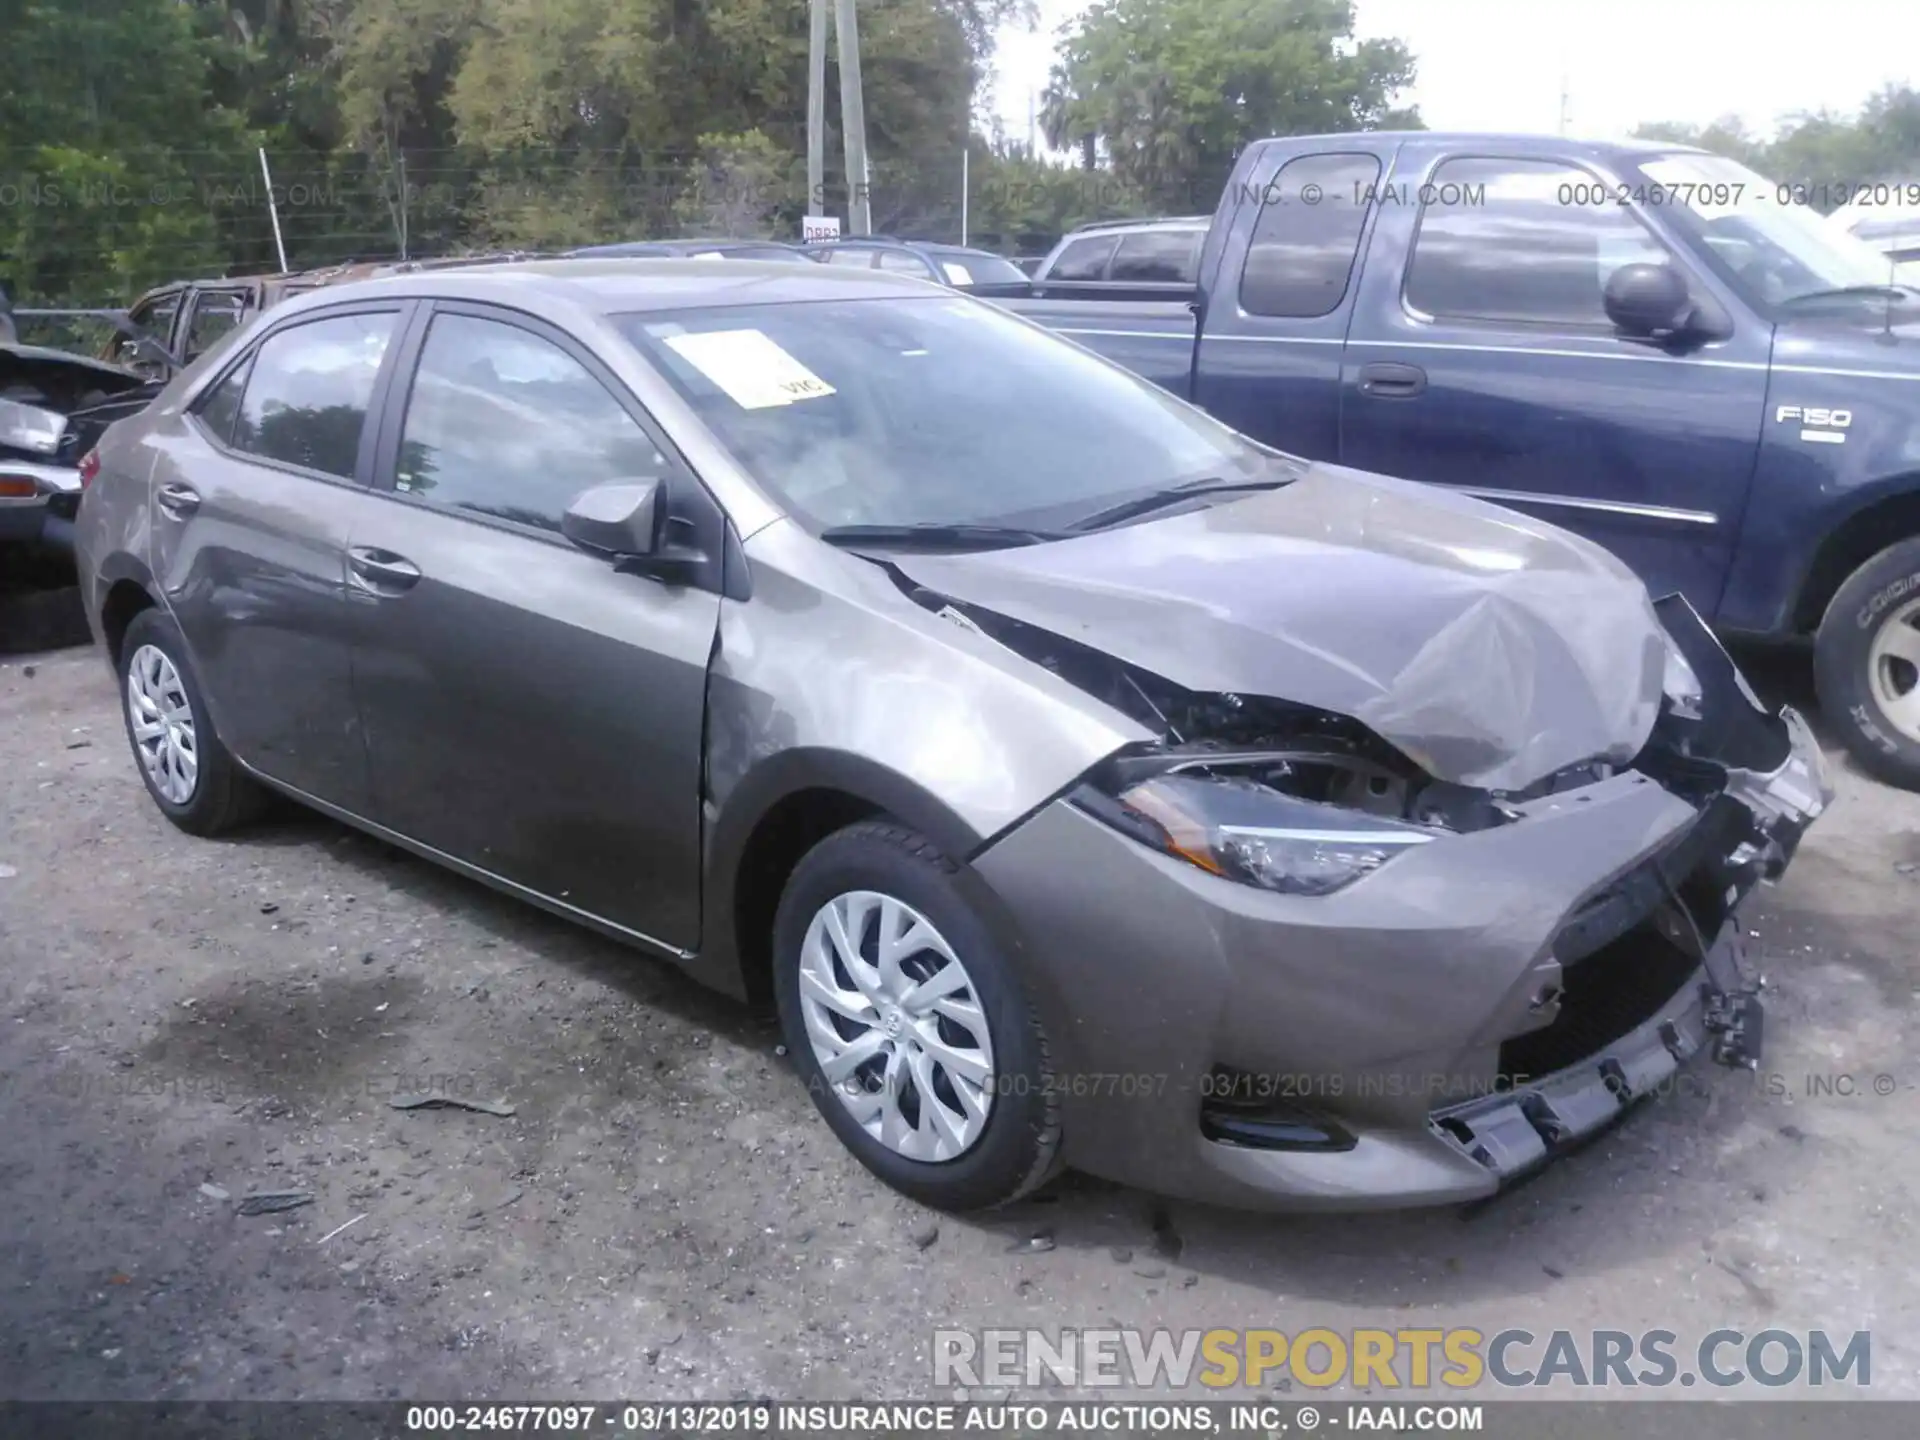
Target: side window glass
column 1300, row 260
column 307, row 394
column 221, row 407
column 503, row 423
column 213, row 317
column 1162, row 257
column 1498, row 242
column 901, row 263
column 156, row 318
column 1083, row 259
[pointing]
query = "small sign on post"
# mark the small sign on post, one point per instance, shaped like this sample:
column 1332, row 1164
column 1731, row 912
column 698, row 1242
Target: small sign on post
column 816, row 228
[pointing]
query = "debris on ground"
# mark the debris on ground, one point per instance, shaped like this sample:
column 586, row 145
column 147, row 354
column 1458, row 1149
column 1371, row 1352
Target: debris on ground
column 270, row 1202
column 215, row 1192
column 924, row 1234
column 451, row 1102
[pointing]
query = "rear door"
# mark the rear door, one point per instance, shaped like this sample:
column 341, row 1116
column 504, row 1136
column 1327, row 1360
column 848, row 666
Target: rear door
column 1481, row 357
column 254, row 492
column 529, row 709
column 1268, row 360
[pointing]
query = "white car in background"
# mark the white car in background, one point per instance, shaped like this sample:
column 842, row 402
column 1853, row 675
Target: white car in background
column 1887, row 217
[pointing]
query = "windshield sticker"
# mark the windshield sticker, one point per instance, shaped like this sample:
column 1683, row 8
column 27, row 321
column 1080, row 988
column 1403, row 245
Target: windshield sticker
column 957, row 274
column 755, row 372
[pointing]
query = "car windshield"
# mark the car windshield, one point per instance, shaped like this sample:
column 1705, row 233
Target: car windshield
column 1785, row 251
column 964, row 268
column 935, row 411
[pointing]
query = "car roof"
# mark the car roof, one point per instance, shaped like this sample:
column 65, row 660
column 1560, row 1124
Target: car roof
column 1164, row 222
column 1509, row 142
column 615, row 286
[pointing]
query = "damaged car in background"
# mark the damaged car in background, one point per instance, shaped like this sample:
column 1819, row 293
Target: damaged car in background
column 54, row 405
column 1082, row 782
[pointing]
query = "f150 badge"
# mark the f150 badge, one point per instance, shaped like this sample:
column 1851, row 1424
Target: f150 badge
column 1822, row 427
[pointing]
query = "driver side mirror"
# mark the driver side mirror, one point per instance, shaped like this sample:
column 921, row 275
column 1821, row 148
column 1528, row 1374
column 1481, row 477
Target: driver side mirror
column 1648, row 301
column 617, row 521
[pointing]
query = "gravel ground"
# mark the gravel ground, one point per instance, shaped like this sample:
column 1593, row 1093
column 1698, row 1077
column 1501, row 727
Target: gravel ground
column 183, row 1022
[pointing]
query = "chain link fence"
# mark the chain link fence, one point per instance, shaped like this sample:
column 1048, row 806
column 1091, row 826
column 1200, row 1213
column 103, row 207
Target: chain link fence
column 82, row 230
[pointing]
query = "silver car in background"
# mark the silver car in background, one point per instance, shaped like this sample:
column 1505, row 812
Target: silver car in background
column 1084, row 783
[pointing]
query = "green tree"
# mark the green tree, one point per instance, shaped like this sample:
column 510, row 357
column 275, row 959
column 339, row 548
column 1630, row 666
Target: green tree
column 1826, row 153
column 106, row 145
column 1171, row 90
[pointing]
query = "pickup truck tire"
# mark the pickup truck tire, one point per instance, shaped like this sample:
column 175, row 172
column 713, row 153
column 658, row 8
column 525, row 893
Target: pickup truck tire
column 1866, row 664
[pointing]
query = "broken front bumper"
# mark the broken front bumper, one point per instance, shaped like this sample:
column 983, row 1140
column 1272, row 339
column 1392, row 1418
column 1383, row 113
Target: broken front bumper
column 1425, row 1036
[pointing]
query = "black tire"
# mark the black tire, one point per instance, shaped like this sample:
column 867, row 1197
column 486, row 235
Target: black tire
column 1018, row 1150
column 223, row 795
column 1842, row 663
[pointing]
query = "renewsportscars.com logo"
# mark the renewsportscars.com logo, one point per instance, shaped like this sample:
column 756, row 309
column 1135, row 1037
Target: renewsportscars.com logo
column 1459, row 1359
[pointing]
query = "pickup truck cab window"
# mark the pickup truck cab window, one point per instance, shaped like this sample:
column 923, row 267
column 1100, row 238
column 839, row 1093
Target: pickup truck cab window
column 1084, row 259
column 1161, row 257
column 1301, row 256
column 1526, row 241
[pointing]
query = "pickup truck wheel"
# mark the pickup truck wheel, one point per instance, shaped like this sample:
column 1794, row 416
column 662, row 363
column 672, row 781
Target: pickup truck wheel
column 1866, row 664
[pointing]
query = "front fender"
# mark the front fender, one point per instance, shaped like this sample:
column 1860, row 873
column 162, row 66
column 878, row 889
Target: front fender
column 1813, row 476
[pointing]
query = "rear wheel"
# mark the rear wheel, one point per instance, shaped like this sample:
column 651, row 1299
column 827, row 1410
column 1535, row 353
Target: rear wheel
column 907, row 1022
column 1867, row 664
column 187, row 770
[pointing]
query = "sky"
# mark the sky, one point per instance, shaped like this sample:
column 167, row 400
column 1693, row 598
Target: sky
column 1502, row 64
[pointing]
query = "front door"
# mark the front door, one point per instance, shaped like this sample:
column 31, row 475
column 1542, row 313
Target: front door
column 530, row 710
column 1487, row 363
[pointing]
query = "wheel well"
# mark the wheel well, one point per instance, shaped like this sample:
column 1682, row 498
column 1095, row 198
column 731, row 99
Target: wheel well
column 124, row 601
column 784, row 835
column 1859, row 538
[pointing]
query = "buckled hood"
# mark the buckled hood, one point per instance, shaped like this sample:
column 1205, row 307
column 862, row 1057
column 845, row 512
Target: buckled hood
column 1491, row 648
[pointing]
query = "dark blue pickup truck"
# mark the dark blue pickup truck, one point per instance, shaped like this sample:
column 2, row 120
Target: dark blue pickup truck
column 1646, row 343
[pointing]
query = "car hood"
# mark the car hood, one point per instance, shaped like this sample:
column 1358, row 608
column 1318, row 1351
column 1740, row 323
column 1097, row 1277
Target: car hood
column 1493, row 649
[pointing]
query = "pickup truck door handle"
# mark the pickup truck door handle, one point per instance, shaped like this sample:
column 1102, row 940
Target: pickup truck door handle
column 1390, row 381
column 178, row 500
column 381, row 571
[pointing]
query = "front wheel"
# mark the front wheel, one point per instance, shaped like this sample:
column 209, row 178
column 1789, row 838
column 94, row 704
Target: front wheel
column 1866, row 663
column 908, row 1024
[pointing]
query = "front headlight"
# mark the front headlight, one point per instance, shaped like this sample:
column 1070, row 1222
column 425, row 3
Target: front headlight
column 1249, row 832
column 30, row 428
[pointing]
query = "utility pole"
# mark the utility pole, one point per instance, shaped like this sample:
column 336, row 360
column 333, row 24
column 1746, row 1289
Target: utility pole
column 853, row 118
column 817, row 110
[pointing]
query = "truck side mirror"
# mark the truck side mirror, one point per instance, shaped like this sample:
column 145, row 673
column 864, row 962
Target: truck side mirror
column 1648, row 300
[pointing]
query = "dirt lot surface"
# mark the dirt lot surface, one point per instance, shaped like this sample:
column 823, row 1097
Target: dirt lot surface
column 183, row 1022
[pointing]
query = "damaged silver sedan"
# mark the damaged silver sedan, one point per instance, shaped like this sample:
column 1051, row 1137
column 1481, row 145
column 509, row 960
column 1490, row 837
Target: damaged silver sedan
column 1084, row 784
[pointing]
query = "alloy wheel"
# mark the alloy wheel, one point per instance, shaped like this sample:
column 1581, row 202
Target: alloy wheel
column 161, row 720
column 896, row 1025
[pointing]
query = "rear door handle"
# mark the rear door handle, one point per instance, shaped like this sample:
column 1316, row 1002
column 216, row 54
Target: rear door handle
column 381, row 571
column 1389, row 380
column 178, row 500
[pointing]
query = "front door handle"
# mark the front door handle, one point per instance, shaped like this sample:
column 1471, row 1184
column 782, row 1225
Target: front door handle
column 1389, row 380
column 381, row 571
column 178, row 500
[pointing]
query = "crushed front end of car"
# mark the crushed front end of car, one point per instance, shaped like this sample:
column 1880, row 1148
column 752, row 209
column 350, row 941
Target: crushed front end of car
column 54, row 407
column 1283, row 965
